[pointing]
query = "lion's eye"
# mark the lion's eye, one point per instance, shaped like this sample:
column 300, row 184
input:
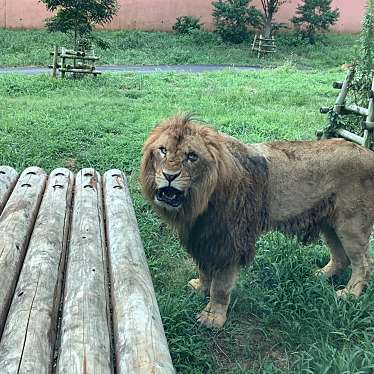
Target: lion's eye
column 192, row 156
column 163, row 151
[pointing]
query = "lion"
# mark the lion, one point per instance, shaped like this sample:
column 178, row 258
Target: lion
column 220, row 195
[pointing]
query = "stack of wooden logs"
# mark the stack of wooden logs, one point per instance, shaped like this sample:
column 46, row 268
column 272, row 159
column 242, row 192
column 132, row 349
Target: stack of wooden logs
column 342, row 108
column 76, row 294
column 263, row 45
column 82, row 62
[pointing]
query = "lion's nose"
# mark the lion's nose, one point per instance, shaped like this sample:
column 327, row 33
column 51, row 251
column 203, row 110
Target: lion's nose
column 171, row 177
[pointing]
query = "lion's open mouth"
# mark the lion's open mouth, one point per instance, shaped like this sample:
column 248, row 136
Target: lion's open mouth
column 170, row 196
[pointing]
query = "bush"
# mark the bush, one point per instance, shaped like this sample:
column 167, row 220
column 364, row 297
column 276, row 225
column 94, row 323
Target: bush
column 186, row 25
column 313, row 17
column 232, row 19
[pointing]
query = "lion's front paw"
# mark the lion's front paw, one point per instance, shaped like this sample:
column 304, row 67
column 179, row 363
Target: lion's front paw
column 213, row 316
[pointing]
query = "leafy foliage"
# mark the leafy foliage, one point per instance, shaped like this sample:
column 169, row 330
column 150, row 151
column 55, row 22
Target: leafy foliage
column 313, row 17
column 80, row 17
column 364, row 68
column 186, row 25
column 232, row 19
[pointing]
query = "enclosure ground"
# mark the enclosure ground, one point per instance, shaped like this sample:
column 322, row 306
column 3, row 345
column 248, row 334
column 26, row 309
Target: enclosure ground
column 32, row 48
column 282, row 319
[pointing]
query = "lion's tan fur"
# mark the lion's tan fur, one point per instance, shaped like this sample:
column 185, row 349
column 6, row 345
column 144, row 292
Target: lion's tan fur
column 235, row 192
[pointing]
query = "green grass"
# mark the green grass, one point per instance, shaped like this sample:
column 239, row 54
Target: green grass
column 32, row 47
column 282, row 319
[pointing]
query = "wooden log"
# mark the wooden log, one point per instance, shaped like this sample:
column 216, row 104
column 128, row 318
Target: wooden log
column 88, row 58
column 8, row 179
column 354, row 109
column 254, row 43
column 368, row 133
column 85, row 328
column 80, row 71
column 30, row 332
column 16, row 224
column 340, row 101
column 350, row 136
column 337, row 85
column 140, row 342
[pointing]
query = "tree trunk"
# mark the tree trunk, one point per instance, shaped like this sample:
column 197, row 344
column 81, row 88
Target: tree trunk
column 267, row 27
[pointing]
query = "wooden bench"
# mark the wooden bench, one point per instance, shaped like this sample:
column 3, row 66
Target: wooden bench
column 76, row 294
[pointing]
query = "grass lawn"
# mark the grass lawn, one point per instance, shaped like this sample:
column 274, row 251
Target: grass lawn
column 282, row 319
column 32, row 47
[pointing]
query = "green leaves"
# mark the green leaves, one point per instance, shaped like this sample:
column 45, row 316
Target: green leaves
column 232, row 19
column 313, row 17
column 79, row 16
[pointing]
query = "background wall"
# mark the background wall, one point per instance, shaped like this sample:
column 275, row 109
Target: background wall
column 161, row 14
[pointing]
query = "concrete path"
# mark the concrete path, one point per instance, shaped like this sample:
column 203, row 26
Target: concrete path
column 138, row 69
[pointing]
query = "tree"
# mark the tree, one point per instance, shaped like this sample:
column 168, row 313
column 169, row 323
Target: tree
column 314, row 16
column 232, row 19
column 80, row 16
column 270, row 7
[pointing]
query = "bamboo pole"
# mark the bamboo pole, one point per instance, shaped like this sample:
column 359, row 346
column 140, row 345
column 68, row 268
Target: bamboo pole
column 30, row 332
column 140, row 342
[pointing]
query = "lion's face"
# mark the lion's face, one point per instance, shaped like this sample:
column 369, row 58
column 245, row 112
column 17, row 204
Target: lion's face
column 179, row 166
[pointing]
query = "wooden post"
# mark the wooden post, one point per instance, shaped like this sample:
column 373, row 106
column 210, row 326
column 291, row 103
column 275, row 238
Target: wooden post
column 29, row 335
column 63, row 63
column 140, row 342
column 8, row 179
column 85, row 345
column 339, row 103
column 19, row 214
column 54, row 67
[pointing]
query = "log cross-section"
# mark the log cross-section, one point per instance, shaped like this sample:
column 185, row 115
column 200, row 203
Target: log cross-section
column 140, row 342
column 16, row 224
column 85, row 345
column 29, row 336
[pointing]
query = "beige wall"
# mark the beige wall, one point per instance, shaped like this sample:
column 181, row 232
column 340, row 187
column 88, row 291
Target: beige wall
column 161, row 14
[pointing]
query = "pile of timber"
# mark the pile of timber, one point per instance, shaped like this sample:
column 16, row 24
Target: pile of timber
column 263, row 45
column 76, row 294
column 81, row 62
column 341, row 108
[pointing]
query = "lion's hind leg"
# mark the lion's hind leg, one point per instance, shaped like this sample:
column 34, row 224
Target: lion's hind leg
column 338, row 258
column 354, row 236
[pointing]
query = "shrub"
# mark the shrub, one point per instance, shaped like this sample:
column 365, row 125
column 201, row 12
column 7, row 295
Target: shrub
column 232, row 19
column 313, row 17
column 80, row 17
column 186, row 25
